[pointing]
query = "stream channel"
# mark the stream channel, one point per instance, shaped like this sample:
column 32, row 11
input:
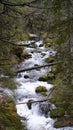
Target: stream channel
column 37, row 117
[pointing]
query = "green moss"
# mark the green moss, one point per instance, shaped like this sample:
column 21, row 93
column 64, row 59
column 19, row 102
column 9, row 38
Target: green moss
column 49, row 59
column 25, row 55
column 41, row 89
column 58, row 124
column 48, row 45
column 17, row 51
column 8, row 83
column 57, row 112
column 43, row 78
column 9, row 118
column 54, row 69
column 63, row 122
column 44, row 93
column 10, row 72
column 51, row 76
column 48, row 42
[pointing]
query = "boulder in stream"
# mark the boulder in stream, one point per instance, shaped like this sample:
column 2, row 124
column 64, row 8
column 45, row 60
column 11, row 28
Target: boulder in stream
column 40, row 89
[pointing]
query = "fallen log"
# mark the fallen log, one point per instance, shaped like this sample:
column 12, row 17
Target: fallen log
column 36, row 101
column 33, row 101
column 38, row 67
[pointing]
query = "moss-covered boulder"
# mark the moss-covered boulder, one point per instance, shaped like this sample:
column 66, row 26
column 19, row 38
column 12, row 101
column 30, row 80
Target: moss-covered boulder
column 57, row 112
column 49, row 59
column 54, row 69
column 44, row 93
column 19, row 52
column 51, row 76
column 41, row 89
column 64, row 122
column 43, row 78
column 25, row 55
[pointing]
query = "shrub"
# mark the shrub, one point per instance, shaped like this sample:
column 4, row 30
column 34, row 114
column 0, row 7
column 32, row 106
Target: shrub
column 57, row 112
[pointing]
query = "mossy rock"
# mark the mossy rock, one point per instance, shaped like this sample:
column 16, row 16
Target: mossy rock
column 49, row 40
column 48, row 44
column 43, row 54
column 25, row 55
column 64, row 122
column 54, row 69
column 41, row 45
column 43, row 78
column 44, row 93
column 52, row 100
column 41, row 89
column 33, row 45
column 57, row 112
column 49, row 59
column 51, row 76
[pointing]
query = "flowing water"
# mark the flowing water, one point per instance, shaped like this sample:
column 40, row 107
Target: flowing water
column 37, row 115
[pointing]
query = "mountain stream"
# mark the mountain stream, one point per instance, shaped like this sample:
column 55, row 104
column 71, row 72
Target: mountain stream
column 37, row 116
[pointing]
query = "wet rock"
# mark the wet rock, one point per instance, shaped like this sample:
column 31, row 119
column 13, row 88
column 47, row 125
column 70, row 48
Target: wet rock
column 48, row 45
column 41, row 45
column 26, row 55
column 44, row 108
column 19, row 76
column 36, row 65
column 29, row 104
column 26, row 76
column 43, row 54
